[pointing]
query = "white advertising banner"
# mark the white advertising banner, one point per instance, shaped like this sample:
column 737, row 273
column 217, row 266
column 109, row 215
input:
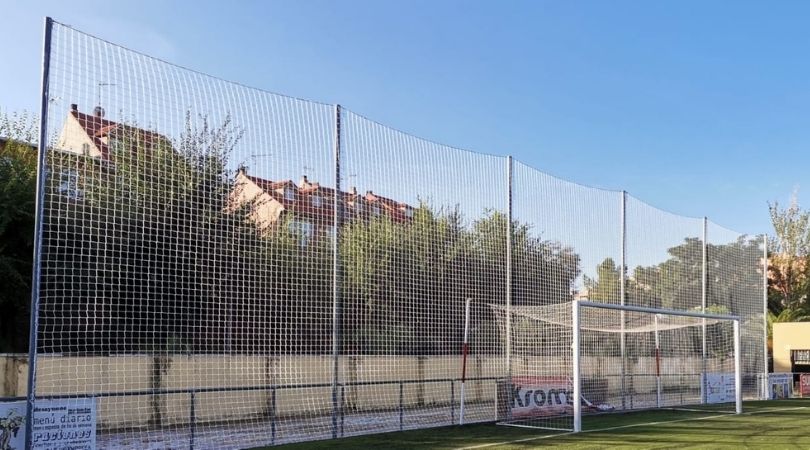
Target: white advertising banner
column 541, row 396
column 779, row 385
column 720, row 388
column 58, row 424
column 12, row 425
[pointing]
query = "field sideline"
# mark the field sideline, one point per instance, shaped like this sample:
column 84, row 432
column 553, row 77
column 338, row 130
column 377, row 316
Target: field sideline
column 764, row 424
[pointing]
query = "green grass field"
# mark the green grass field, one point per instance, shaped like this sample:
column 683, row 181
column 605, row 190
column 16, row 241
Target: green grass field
column 764, row 424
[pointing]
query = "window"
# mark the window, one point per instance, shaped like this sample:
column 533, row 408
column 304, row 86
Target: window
column 69, row 184
column 86, row 149
column 375, row 210
column 305, row 231
column 409, row 213
column 289, row 195
column 317, row 201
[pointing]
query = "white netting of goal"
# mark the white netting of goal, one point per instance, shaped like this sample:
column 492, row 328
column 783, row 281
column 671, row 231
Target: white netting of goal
column 660, row 364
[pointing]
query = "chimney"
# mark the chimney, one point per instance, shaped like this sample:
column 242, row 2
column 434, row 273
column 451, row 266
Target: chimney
column 74, row 107
column 304, row 182
column 353, row 191
column 98, row 111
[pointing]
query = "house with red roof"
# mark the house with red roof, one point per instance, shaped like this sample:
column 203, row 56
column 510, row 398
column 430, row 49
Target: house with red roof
column 94, row 136
column 307, row 207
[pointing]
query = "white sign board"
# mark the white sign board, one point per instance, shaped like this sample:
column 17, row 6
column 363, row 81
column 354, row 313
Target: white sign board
column 58, row 424
column 541, row 396
column 12, row 425
column 720, row 388
column 780, row 385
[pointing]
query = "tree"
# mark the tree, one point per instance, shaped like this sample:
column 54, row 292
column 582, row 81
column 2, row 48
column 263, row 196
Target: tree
column 406, row 283
column 788, row 271
column 140, row 256
column 18, row 178
column 607, row 284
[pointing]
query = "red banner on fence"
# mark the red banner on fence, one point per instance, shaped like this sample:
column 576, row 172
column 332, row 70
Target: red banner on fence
column 804, row 385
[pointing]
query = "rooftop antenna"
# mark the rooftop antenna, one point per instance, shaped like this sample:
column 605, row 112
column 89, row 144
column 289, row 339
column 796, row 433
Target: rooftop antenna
column 100, row 85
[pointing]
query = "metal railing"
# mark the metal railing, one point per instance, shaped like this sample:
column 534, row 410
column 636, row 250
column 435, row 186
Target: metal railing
column 273, row 416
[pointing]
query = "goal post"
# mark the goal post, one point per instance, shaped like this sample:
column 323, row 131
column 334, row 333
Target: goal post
column 675, row 337
column 568, row 362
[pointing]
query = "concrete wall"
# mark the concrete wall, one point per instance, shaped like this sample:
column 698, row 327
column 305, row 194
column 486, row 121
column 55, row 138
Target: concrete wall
column 13, row 375
column 786, row 337
column 133, row 373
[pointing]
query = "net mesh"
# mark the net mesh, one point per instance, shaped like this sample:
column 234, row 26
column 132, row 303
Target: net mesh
column 665, row 367
column 224, row 267
column 734, row 282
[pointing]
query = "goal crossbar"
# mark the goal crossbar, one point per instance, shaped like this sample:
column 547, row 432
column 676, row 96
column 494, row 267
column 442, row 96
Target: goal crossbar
column 668, row 312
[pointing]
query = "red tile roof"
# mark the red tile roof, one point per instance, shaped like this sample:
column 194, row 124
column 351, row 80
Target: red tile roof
column 302, row 203
column 98, row 128
column 396, row 210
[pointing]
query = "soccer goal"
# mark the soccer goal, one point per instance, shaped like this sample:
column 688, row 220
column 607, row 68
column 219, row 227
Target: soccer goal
column 579, row 359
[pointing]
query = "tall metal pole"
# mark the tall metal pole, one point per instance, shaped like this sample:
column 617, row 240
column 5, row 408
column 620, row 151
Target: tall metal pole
column 764, row 374
column 703, row 304
column 336, row 280
column 38, row 218
column 576, row 375
column 657, row 365
column 509, row 275
column 464, row 350
column 737, row 368
column 622, row 287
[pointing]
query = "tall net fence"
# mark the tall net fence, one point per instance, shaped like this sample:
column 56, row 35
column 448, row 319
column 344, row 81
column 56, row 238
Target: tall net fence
column 224, row 267
column 734, row 283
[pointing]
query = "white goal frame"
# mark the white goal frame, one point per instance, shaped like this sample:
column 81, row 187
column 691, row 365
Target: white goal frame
column 576, row 349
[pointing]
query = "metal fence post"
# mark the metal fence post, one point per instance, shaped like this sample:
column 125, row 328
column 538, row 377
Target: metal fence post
column 401, row 405
column 703, row 304
column 192, row 418
column 273, row 416
column 338, row 211
column 622, row 293
column 509, row 270
column 577, row 388
column 737, row 368
column 38, row 218
column 452, row 402
column 342, row 410
column 765, row 369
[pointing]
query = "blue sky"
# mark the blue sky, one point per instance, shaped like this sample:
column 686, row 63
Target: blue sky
column 698, row 108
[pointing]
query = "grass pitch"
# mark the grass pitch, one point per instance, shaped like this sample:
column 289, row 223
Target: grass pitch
column 764, row 424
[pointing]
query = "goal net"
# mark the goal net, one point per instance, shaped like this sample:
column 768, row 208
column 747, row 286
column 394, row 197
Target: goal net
column 615, row 359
